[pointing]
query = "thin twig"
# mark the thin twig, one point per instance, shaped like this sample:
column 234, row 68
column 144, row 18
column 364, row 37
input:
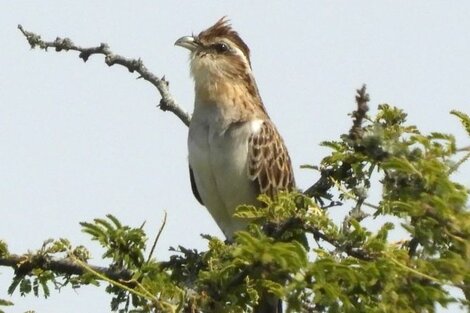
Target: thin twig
column 349, row 195
column 467, row 148
column 144, row 293
column 167, row 102
column 456, row 166
column 157, row 238
column 357, row 253
column 412, row 270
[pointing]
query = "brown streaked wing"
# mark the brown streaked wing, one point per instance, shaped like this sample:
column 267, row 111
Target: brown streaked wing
column 268, row 161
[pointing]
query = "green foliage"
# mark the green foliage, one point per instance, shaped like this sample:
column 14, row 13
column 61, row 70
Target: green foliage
column 123, row 244
column 416, row 187
column 294, row 250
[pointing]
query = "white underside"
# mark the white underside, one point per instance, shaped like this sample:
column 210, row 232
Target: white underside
column 218, row 157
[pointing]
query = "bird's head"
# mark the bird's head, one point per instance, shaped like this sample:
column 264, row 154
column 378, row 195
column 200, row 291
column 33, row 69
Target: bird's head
column 217, row 53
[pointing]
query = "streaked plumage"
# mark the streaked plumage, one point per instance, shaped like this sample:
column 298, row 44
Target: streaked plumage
column 235, row 151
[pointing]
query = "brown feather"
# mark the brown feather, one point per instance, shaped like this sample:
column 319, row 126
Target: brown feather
column 269, row 162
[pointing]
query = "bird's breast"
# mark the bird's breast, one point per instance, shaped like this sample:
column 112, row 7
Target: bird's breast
column 218, row 156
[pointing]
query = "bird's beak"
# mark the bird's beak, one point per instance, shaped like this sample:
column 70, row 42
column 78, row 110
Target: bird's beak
column 188, row 42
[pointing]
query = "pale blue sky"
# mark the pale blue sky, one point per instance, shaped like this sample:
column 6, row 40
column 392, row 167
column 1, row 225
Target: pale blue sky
column 78, row 140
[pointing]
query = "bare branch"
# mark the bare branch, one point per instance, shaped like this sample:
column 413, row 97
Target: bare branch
column 320, row 188
column 362, row 98
column 167, row 103
column 24, row 264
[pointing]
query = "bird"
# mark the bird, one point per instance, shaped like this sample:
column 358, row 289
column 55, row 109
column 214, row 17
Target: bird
column 235, row 152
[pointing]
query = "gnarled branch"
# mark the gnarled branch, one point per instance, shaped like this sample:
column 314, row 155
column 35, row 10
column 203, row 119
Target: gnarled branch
column 167, row 102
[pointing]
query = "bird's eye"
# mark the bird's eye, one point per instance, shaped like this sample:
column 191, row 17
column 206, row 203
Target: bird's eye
column 221, row 47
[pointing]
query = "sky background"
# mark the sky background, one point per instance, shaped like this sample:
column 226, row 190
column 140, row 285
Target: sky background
column 80, row 140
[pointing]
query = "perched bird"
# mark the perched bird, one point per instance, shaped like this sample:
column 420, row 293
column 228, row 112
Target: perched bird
column 235, row 150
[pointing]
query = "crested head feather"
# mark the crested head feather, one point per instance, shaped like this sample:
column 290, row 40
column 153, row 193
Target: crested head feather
column 223, row 29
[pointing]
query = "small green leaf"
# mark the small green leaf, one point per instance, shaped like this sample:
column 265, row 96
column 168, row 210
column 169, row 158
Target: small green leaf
column 115, row 221
column 5, row 302
column 273, row 287
column 105, row 223
column 400, row 164
column 249, row 212
column 464, row 119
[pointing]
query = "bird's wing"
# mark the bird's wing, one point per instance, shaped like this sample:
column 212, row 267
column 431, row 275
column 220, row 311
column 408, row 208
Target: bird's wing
column 268, row 161
column 194, row 187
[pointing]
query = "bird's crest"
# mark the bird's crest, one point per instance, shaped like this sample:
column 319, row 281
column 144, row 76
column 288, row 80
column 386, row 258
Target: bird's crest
column 223, row 29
